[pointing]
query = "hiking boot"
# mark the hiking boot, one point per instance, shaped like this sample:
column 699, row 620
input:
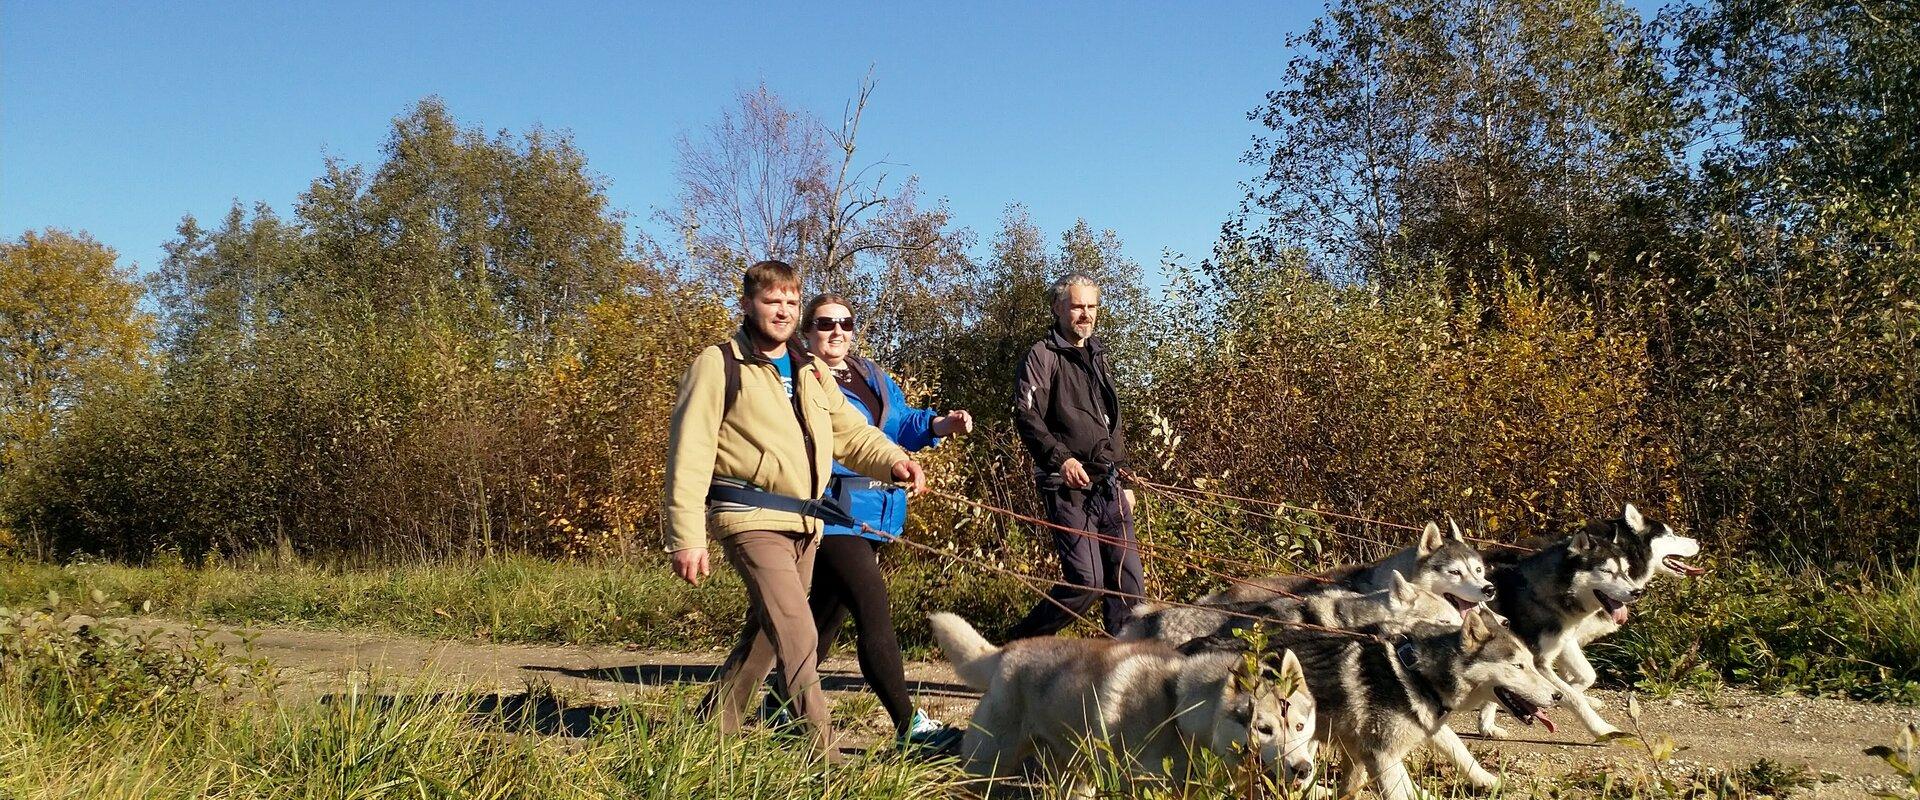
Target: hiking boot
column 927, row 735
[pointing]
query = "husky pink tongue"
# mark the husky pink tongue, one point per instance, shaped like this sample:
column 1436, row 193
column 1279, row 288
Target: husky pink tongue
column 1620, row 615
column 1541, row 717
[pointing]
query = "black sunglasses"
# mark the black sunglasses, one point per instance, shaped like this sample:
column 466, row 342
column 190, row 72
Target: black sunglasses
column 829, row 323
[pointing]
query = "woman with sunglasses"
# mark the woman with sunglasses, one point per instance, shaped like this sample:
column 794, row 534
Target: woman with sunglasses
column 846, row 572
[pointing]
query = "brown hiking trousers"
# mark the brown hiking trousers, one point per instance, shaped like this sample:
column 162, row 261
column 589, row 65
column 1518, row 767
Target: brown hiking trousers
column 777, row 568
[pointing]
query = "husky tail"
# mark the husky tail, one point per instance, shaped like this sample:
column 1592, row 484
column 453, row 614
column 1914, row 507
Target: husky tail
column 973, row 658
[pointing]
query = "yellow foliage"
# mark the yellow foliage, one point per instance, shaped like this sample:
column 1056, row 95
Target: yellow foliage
column 1523, row 416
column 69, row 324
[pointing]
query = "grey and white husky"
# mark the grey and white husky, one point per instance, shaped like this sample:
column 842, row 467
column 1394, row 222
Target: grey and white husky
column 1402, row 603
column 1381, row 698
column 1150, row 703
column 1442, row 563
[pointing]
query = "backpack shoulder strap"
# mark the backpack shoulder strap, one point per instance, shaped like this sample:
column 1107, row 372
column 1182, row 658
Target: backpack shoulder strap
column 730, row 364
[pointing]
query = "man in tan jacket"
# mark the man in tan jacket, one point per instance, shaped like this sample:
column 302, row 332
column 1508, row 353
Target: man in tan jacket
column 755, row 431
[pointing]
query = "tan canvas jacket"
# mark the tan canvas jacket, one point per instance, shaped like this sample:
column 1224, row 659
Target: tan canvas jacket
column 761, row 442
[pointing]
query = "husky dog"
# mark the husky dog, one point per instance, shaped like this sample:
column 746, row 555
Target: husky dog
column 1379, row 699
column 1548, row 596
column 1442, row 563
column 1153, row 704
column 1401, row 603
column 1652, row 549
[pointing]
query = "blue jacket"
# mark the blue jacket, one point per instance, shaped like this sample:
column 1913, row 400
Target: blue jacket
column 911, row 428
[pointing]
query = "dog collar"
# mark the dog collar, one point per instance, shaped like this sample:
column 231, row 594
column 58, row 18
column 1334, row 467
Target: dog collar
column 1404, row 651
column 1409, row 658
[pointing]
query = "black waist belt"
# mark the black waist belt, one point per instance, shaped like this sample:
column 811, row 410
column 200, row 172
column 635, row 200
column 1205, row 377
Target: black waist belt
column 825, row 510
column 1105, row 480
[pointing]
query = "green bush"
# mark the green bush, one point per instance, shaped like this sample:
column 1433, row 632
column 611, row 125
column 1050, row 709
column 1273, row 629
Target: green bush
column 1752, row 625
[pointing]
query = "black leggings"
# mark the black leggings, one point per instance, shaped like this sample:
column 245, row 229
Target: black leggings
column 847, row 580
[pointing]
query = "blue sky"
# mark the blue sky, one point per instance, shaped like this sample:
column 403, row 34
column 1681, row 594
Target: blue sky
column 119, row 118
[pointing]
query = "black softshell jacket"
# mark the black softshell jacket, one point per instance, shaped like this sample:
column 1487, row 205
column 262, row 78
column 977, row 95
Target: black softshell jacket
column 1065, row 407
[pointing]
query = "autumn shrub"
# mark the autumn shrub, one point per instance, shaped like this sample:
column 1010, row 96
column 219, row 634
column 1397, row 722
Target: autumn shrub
column 1795, row 383
column 390, row 441
column 1513, row 415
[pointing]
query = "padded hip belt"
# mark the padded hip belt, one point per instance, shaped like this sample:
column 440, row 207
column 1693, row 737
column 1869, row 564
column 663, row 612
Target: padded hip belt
column 821, row 509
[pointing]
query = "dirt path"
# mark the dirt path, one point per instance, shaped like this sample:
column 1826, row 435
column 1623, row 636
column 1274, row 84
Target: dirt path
column 1730, row 730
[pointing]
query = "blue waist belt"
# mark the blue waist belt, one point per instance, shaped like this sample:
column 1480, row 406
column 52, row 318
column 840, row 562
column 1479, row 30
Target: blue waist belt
column 857, row 483
column 822, row 509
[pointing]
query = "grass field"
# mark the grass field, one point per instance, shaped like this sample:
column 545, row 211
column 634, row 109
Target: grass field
column 92, row 712
column 89, row 710
column 1743, row 625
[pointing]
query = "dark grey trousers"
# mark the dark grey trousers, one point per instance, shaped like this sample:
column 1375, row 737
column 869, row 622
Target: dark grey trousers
column 1088, row 562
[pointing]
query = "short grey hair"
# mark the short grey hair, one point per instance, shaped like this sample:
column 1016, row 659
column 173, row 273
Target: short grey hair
column 1071, row 279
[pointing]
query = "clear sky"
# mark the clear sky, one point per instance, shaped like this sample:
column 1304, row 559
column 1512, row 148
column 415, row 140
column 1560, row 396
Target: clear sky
column 117, row 118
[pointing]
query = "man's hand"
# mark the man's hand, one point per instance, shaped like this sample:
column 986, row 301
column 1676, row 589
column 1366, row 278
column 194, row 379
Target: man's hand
column 1074, row 474
column 955, row 421
column 691, row 564
column 907, row 470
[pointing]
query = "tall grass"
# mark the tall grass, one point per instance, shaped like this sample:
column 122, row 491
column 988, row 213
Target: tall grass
column 1760, row 626
column 88, row 710
column 413, row 745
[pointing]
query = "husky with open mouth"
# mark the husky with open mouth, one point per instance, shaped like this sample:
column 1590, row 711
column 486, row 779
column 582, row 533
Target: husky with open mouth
column 1379, row 698
column 1653, row 549
column 1442, row 563
column 1556, row 595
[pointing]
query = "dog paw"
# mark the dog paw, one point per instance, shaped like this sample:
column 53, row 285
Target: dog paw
column 1495, row 732
column 1484, row 779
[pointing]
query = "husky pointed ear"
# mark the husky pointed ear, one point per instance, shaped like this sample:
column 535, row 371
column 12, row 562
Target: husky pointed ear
column 1457, row 535
column 1404, row 591
column 1579, row 543
column 1431, row 539
column 1477, row 629
column 1292, row 677
column 1634, row 520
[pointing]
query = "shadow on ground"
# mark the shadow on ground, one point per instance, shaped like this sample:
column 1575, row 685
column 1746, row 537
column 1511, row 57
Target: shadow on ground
column 534, row 712
column 667, row 674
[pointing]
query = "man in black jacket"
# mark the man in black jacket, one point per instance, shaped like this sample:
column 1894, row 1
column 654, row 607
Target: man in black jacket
column 1069, row 418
